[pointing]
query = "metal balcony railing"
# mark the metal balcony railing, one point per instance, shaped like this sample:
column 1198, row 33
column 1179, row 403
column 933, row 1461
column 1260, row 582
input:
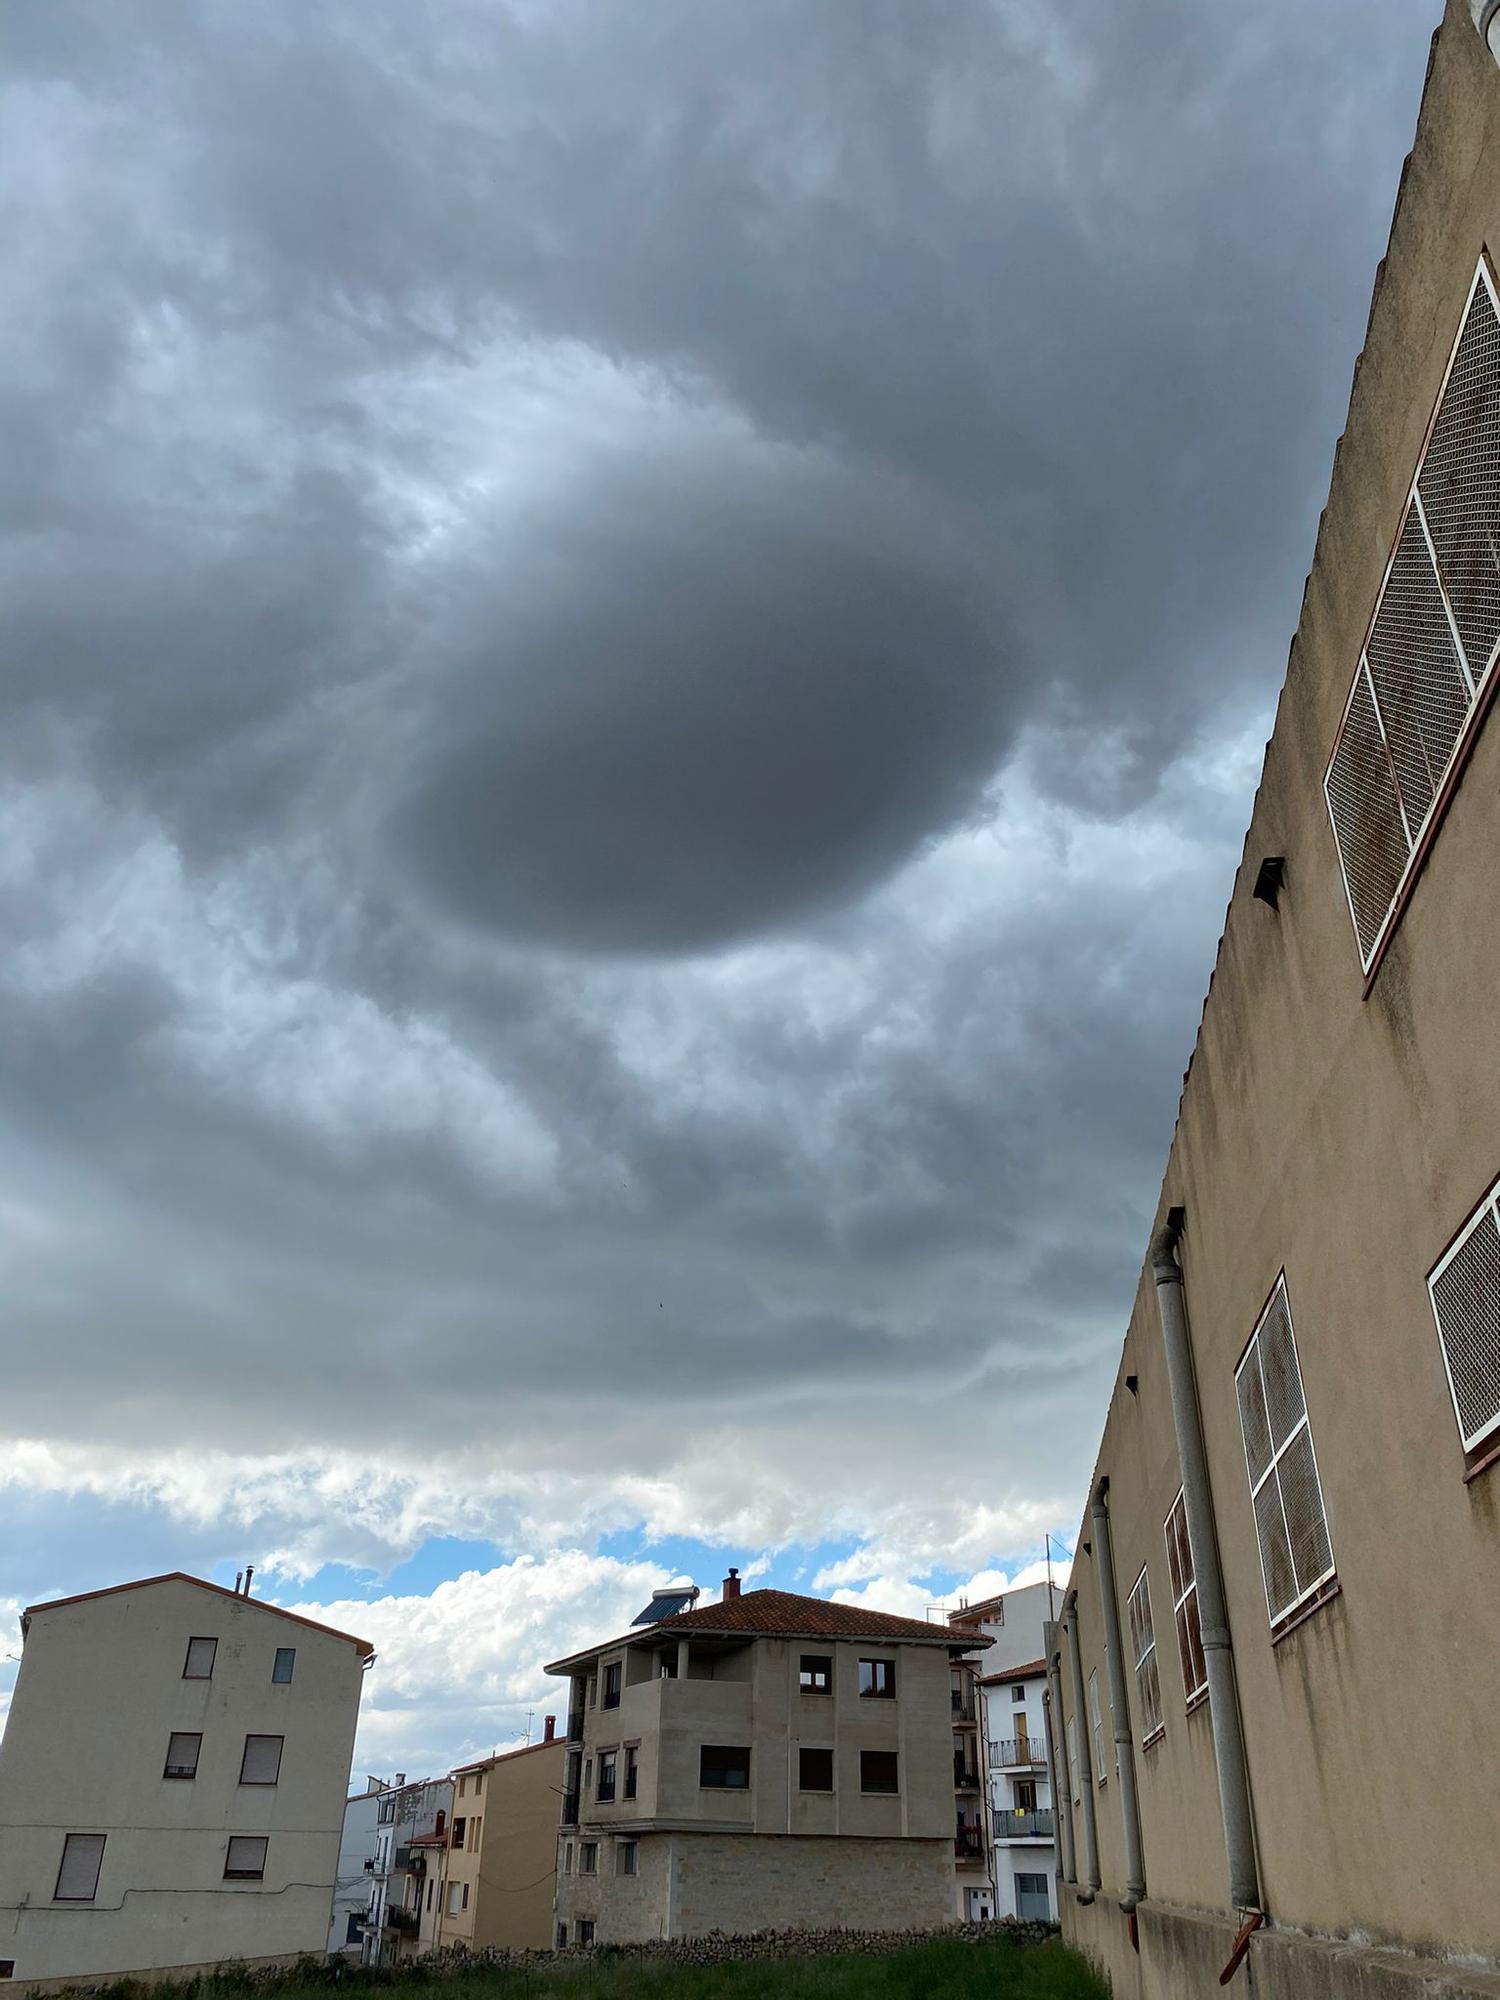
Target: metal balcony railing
column 963, row 1706
column 1041, row 1825
column 1012, row 1751
column 408, row 1922
column 964, row 1779
column 575, row 1725
column 969, row 1845
column 570, row 1806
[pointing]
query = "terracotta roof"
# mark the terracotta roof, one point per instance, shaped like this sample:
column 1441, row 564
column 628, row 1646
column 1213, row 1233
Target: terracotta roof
column 504, row 1756
column 1032, row 1670
column 783, row 1614
column 361, row 1646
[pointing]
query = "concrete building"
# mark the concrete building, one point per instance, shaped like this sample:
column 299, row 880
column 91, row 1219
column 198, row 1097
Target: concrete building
column 354, row 1885
column 1010, row 1628
column 768, row 1761
column 1285, row 1577
column 499, row 1886
column 412, row 1840
column 172, row 1781
column 1019, row 1824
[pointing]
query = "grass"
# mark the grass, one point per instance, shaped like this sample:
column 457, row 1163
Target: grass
column 939, row 1969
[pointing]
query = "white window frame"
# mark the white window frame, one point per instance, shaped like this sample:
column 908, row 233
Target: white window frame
column 1488, row 1211
column 1096, row 1723
column 1477, row 675
column 1192, row 1696
column 1071, row 1732
column 1279, row 1615
column 1151, row 1731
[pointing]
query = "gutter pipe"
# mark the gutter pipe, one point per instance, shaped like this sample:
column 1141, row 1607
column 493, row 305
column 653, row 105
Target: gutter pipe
column 1114, row 1662
column 1213, row 1617
column 1062, row 1802
column 1085, row 1768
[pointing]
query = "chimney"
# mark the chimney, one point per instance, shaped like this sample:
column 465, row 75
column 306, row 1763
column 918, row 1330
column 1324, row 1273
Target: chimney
column 239, row 1578
column 400, row 1777
column 731, row 1586
column 549, row 1728
column 249, row 1572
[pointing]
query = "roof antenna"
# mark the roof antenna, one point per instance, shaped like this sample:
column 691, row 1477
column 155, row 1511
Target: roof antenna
column 529, row 1714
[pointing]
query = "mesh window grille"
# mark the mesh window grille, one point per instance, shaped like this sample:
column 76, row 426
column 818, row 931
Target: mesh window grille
column 1143, row 1651
column 1296, row 1554
column 1185, row 1602
column 1432, row 640
column 1465, row 1291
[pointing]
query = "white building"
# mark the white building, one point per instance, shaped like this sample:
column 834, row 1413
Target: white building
column 172, row 1781
column 412, row 1828
column 1022, row 1834
column 356, row 1887
column 984, row 1873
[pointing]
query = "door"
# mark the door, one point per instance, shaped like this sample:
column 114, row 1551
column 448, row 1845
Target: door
column 979, row 1906
column 1032, row 1899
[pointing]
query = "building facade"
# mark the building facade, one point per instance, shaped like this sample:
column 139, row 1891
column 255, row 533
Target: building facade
column 771, row 1761
column 172, row 1781
column 1020, row 1825
column 499, row 1884
column 354, row 1885
column 1289, row 1551
column 1011, row 1627
column 412, row 1838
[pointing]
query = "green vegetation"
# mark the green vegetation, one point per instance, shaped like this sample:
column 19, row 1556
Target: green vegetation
column 1002, row 1968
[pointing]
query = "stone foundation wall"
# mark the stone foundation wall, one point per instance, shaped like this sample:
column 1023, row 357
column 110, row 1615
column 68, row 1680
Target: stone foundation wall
column 731, row 1882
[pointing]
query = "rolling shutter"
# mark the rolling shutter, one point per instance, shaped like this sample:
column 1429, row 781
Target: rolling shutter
column 261, row 1764
column 78, row 1874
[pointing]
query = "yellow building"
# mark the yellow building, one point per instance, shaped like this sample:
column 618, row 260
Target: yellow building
column 498, row 1884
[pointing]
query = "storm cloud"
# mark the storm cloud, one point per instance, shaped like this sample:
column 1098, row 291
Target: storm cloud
column 614, row 620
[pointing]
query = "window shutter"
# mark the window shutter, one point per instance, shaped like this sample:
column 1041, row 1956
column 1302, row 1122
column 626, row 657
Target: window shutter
column 282, row 1666
column 261, row 1764
column 1296, row 1555
column 199, row 1664
column 182, row 1754
column 1465, row 1292
column 245, row 1856
column 78, row 1875
column 1436, row 623
column 1460, row 481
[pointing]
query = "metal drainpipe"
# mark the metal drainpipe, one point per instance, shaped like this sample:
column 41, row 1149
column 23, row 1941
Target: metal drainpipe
column 1114, row 1662
column 1213, row 1618
column 1085, row 1768
column 1062, row 1807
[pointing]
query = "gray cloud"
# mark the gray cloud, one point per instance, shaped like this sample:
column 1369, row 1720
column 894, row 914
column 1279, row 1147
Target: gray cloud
column 613, row 621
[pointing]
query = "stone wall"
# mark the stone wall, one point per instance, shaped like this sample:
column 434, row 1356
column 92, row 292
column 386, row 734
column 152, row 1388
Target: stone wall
column 729, row 1882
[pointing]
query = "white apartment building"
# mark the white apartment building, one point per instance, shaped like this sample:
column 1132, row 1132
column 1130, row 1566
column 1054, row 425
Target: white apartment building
column 1009, row 1628
column 412, row 1833
column 172, row 1781
column 1021, row 1823
column 354, row 1888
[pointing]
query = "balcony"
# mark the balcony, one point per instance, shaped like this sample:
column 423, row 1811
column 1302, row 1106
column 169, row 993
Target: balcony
column 968, row 1845
column 1025, row 1825
column 964, row 1779
column 570, row 1804
column 1018, row 1753
column 407, row 1922
column 409, row 1861
column 575, row 1725
column 964, row 1714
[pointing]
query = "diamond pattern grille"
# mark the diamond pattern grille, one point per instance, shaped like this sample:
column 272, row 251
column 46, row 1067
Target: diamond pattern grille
column 1460, row 483
column 1465, row 1292
column 1373, row 847
column 1414, row 665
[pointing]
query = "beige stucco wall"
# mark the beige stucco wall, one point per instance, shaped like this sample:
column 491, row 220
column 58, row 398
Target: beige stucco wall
column 1343, row 1139
column 510, row 1871
column 99, row 1692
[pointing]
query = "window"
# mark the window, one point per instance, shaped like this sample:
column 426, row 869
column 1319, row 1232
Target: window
column 437, row 1824
column 878, row 1771
column 632, row 1769
column 245, row 1858
column 562, row 1937
column 592, row 1694
column 182, row 1755
column 1296, row 1556
column 606, row 1789
column 567, row 1859
column 453, row 1888
column 1143, row 1652
column 815, row 1770
column 724, row 1767
column 815, row 1675
column 458, row 1832
column 476, row 1833
column 612, row 1674
column 431, row 1885
column 354, row 1928
column 588, row 1857
column 478, row 1783
column 1072, row 1735
column 78, row 1871
column 585, row 1930
column 199, row 1664
column 625, row 1857
column 261, row 1763
column 1430, row 645
column 462, row 1786
column 1185, row 1603
column 1018, row 1692
column 877, row 1679
column 464, row 1899
column 387, row 1812
column 1464, row 1287
column 282, row 1665
column 1097, row 1723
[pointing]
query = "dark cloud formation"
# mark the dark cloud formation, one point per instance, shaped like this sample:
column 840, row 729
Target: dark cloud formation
column 614, row 617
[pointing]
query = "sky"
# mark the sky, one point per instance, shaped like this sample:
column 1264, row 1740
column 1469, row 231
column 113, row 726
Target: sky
column 636, row 645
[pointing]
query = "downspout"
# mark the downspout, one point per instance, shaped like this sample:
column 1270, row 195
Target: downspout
column 1114, row 1661
column 1062, row 1807
column 1085, row 1767
column 1213, row 1618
